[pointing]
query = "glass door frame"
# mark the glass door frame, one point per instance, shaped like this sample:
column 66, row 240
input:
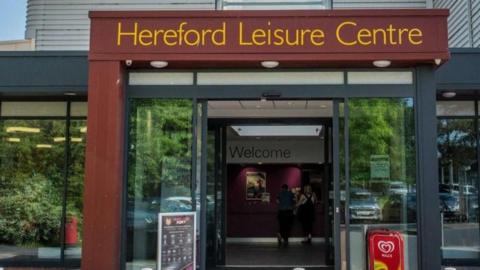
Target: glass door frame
column 422, row 90
column 218, row 126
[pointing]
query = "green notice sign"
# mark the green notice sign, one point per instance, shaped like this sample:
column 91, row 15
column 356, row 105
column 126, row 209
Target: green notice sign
column 380, row 167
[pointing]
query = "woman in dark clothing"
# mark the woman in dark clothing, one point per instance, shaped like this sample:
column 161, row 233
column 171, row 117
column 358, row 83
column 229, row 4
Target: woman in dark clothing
column 306, row 212
column 285, row 200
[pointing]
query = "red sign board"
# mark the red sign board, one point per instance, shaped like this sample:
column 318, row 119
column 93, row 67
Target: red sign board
column 334, row 35
column 385, row 250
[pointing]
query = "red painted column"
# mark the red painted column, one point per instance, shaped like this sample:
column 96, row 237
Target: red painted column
column 104, row 166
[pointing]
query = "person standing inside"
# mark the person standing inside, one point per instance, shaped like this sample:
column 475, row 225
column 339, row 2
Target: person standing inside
column 306, row 212
column 286, row 203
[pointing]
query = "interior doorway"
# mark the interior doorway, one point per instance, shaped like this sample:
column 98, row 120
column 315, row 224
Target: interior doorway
column 255, row 147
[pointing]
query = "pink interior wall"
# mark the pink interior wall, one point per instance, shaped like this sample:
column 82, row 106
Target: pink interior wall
column 246, row 218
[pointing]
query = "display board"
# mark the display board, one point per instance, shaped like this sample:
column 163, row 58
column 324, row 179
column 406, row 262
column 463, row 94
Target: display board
column 176, row 241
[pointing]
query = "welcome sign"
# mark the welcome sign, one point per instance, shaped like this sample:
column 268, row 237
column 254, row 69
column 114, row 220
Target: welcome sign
column 249, row 35
column 248, row 151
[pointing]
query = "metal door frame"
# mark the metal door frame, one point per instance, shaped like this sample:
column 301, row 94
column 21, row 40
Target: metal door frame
column 423, row 92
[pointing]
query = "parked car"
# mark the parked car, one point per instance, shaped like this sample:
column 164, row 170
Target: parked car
column 450, row 207
column 466, row 189
column 398, row 187
column 364, row 206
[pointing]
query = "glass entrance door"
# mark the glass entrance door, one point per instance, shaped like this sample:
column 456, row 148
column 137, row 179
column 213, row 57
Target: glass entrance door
column 375, row 184
column 216, row 236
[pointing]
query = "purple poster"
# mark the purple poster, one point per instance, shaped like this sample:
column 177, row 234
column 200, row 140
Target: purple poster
column 176, row 241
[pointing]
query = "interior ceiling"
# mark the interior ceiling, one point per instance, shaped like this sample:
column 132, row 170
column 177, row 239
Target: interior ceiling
column 270, row 109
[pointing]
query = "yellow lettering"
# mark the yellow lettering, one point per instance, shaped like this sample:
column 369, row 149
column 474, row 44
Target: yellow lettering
column 219, row 36
column 338, row 34
column 133, row 34
column 170, row 37
column 413, row 33
column 196, row 37
column 145, row 37
column 240, row 32
column 364, row 33
column 258, row 37
column 317, row 37
column 278, row 35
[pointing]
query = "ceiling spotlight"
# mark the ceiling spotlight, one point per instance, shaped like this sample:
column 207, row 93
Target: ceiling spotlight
column 270, row 64
column 159, row 64
column 449, row 94
column 128, row 63
column 437, row 61
column 382, row 63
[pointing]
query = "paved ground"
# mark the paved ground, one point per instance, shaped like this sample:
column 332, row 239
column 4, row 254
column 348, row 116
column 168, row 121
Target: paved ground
column 295, row 254
column 466, row 268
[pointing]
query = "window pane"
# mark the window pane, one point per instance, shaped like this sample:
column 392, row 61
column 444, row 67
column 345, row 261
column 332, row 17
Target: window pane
column 458, row 173
column 382, row 175
column 380, row 77
column 159, row 176
column 79, row 109
column 76, row 175
column 34, row 109
column 31, row 188
column 455, row 108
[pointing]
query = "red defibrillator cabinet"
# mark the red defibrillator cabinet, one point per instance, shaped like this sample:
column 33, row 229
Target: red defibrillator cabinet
column 385, row 250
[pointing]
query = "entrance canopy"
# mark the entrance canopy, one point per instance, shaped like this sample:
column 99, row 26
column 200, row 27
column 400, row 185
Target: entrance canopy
column 333, row 38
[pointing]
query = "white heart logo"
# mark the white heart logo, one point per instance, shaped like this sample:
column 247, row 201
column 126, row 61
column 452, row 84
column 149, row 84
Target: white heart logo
column 386, row 246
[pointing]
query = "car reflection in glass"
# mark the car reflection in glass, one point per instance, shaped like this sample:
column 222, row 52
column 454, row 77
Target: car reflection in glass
column 364, row 207
column 450, row 207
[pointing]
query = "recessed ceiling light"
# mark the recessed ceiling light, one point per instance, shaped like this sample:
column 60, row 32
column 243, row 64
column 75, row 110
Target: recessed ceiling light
column 278, row 131
column 382, row 63
column 76, row 140
column 70, row 94
column 22, row 129
column 159, row 64
column 44, row 146
column 449, row 94
column 270, row 64
column 59, row 139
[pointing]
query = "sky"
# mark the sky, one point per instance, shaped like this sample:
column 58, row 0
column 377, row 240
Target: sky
column 12, row 19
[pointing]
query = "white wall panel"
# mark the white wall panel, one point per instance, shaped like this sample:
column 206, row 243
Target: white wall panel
column 64, row 24
column 459, row 28
column 344, row 4
column 273, row 4
column 476, row 22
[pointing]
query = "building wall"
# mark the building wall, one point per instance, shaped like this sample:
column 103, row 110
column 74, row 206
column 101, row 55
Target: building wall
column 338, row 4
column 64, row 24
column 463, row 23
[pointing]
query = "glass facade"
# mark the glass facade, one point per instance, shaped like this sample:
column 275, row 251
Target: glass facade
column 159, row 172
column 382, row 175
column 458, row 180
column 41, row 182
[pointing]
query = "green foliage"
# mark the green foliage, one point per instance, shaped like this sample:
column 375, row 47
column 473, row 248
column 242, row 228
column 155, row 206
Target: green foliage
column 160, row 152
column 30, row 214
column 32, row 182
column 381, row 127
